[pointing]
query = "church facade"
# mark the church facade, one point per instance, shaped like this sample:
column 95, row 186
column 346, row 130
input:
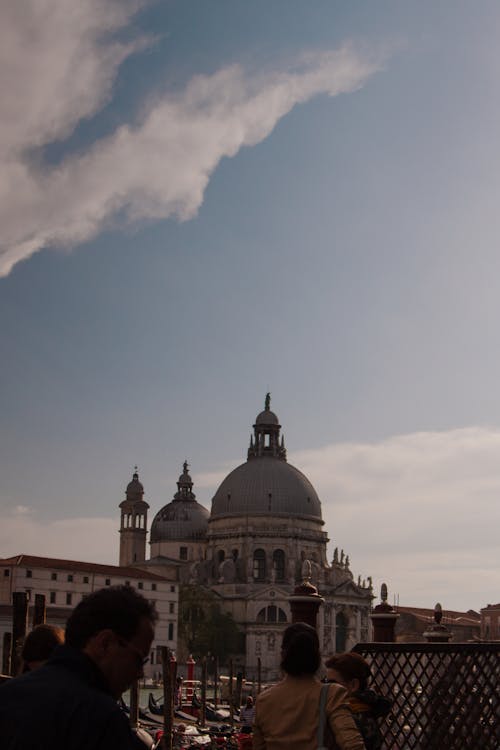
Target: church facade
column 251, row 549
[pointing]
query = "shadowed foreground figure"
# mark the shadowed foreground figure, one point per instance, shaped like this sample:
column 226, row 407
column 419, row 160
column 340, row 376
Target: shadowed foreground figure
column 287, row 714
column 352, row 672
column 70, row 703
column 39, row 645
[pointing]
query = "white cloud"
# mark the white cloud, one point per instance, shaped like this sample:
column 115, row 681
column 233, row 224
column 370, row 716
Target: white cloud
column 57, row 66
column 419, row 511
column 157, row 168
column 88, row 539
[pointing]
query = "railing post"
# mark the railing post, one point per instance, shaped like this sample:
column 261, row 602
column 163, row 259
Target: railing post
column 438, row 633
column 384, row 619
column 305, row 600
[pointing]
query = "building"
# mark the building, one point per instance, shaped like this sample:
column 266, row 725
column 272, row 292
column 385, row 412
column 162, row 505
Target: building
column 413, row 622
column 490, row 622
column 265, row 522
column 65, row 582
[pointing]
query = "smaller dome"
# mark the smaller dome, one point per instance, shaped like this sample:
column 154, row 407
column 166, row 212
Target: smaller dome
column 184, row 517
column 267, row 417
column 180, row 520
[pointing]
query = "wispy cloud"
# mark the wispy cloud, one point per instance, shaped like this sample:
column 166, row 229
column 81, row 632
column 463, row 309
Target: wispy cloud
column 156, row 168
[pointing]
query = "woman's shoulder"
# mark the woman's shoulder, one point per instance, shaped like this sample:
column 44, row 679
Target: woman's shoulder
column 336, row 694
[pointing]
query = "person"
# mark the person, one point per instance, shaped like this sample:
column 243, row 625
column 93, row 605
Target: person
column 353, row 672
column 287, row 714
column 70, row 703
column 247, row 715
column 39, row 645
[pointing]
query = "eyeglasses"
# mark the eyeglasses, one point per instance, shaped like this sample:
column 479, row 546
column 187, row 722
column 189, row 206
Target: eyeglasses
column 141, row 661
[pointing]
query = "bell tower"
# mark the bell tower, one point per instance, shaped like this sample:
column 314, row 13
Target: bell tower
column 133, row 523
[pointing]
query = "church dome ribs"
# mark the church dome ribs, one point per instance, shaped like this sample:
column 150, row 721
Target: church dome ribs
column 268, row 486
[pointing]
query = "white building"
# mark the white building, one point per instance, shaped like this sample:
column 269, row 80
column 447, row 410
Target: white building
column 65, row 582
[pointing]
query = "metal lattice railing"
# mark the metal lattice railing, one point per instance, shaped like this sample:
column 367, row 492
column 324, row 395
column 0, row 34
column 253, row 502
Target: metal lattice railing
column 446, row 696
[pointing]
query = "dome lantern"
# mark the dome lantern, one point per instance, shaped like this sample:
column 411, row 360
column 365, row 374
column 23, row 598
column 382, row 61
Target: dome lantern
column 266, row 438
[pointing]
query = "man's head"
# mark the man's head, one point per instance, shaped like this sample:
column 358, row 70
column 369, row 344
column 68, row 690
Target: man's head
column 114, row 627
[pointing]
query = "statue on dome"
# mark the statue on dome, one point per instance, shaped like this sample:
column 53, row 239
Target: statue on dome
column 268, row 401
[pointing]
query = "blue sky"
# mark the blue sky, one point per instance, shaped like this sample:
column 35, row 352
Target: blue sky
column 204, row 201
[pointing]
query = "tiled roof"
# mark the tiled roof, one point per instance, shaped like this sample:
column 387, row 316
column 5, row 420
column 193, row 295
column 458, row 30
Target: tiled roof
column 450, row 617
column 54, row 563
column 491, row 606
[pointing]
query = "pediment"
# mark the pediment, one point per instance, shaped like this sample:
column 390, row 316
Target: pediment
column 269, row 594
column 350, row 589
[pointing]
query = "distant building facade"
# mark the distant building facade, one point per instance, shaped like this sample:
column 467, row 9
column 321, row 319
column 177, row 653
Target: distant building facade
column 65, row 582
column 250, row 549
column 490, row 622
column 413, row 622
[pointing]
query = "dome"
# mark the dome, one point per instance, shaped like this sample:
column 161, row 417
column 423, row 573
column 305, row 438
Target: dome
column 134, row 487
column 184, row 517
column 180, row 519
column 266, row 485
column 267, row 417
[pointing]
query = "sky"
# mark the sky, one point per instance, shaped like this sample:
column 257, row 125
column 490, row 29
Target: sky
column 201, row 202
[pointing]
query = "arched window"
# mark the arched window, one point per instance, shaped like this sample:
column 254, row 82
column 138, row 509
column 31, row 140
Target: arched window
column 220, row 556
column 259, row 565
column 279, row 564
column 340, row 632
column 271, row 614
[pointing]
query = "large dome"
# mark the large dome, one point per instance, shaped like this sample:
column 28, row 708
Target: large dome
column 182, row 519
column 266, row 485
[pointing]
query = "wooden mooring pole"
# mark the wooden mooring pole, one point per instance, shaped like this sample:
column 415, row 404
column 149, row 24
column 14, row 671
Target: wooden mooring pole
column 216, row 677
column 19, row 628
column 239, row 690
column 203, row 712
column 169, row 670
column 231, row 707
column 39, row 610
column 7, row 646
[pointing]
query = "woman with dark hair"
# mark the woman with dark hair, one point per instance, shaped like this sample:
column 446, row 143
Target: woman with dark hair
column 353, row 672
column 287, row 715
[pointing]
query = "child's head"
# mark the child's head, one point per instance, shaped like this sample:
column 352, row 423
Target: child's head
column 349, row 670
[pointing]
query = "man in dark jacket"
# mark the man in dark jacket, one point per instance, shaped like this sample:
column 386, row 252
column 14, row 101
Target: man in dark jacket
column 71, row 702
